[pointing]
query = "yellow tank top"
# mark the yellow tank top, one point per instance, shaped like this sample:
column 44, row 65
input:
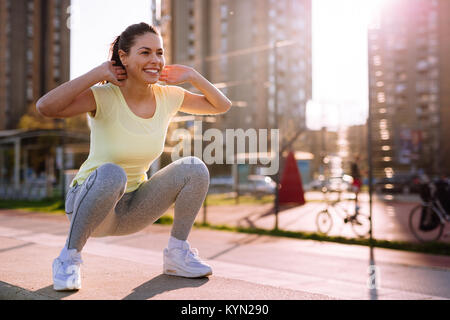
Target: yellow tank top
column 121, row 137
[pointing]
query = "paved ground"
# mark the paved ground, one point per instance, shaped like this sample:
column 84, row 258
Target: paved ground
column 245, row 266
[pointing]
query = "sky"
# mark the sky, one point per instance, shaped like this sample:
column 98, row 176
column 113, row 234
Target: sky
column 340, row 71
column 339, row 33
column 94, row 26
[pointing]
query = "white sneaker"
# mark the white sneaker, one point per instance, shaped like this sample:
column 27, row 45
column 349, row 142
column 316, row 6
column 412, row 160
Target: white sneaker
column 184, row 262
column 66, row 271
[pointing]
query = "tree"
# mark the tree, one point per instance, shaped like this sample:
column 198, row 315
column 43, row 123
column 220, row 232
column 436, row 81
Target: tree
column 33, row 120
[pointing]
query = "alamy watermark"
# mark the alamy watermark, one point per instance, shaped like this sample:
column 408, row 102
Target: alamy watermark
column 223, row 149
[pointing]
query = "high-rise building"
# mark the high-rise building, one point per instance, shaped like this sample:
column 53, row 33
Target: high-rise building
column 409, row 79
column 34, row 55
column 231, row 42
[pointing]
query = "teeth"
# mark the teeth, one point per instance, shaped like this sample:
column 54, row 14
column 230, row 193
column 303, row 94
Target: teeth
column 151, row 71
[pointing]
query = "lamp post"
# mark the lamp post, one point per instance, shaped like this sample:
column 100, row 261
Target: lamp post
column 276, row 120
column 62, row 159
column 369, row 154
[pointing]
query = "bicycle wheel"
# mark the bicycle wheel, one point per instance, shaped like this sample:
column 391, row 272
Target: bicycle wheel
column 324, row 221
column 414, row 226
column 361, row 225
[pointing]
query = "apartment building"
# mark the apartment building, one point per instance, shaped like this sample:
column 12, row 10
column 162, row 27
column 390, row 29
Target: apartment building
column 409, row 79
column 34, row 58
column 232, row 43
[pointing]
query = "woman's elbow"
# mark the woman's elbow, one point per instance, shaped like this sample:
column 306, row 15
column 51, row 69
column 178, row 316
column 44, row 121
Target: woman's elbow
column 227, row 106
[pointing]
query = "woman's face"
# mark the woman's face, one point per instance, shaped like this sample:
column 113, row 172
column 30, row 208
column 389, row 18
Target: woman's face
column 145, row 61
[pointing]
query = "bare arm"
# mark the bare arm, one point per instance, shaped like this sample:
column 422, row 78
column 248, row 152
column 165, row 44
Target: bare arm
column 75, row 97
column 211, row 101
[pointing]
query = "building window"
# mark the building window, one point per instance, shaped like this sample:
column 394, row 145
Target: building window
column 224, row 28
column 223, row 11
column 402, row 76
column 30, row 30
column 29, row 90
column 434, row 74
column 191, row 51
column 432, row 60
column 375, row 47
column 383, row 124
column 381, row 97
column 422, row 65
column 434, row 86
column 377, row 60
column 421, row 86
column 400, row 88
column 56, row 23
column 56, row 74
column 384, row 134
column 29, row 55
column 223, row 45
column 433, row 107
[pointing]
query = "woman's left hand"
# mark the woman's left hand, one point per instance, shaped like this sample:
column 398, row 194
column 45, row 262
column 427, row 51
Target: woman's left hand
column 176, row 74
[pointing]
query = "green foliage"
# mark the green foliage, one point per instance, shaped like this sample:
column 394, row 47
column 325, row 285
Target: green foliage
column 229, row 199
column 33, row 120
column 165, row 220
column 46, row 205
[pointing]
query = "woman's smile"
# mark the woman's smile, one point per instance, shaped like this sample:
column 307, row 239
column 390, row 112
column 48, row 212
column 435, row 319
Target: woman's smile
column 152, row 71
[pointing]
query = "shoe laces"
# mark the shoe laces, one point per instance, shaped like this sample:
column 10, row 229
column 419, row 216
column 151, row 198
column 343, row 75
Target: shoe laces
column 192, row 255
column 73, row 259
column 76, row 260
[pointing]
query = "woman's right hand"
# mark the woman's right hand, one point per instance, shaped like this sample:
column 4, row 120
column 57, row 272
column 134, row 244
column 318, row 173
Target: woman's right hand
column 112, row 73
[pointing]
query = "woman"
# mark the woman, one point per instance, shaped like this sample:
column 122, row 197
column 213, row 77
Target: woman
column 129, row 115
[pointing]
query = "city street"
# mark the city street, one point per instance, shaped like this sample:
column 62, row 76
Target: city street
column 245, row 266
column 390, row 216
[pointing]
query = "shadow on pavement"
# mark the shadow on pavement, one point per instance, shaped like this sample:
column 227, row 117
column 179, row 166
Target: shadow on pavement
column 252, row 217
column 17, row 247
column 58, row 295
column 163, row 283
column 241, row 242
column 374, row 277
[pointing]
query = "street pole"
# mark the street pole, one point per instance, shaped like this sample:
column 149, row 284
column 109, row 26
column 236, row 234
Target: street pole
column 277, row 175
column 369, row 154
column 63, row 160
column 204, row 202
column 205, row 205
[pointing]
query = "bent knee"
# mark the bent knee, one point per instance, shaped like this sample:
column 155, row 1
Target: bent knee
column 197, row 169
column 113, row 174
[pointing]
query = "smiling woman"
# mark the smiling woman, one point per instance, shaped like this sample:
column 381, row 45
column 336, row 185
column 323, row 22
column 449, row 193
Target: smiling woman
column 129, row 114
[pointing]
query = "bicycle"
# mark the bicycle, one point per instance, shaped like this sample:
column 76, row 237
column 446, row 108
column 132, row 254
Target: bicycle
column 359, row 221
column 428, row 219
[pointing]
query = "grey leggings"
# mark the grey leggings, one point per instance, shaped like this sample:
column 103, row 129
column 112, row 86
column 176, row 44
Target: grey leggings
column 100, row 207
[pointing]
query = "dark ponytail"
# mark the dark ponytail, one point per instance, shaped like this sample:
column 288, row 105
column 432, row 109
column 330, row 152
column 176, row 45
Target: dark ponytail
column 127, row 39
column 114, row 52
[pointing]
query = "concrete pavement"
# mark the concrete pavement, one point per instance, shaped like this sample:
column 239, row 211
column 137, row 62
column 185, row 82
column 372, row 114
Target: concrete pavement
column 245, row 266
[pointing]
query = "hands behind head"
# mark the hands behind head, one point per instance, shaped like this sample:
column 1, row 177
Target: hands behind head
column 176, row 74
column 113, row 74
column 171, row 74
